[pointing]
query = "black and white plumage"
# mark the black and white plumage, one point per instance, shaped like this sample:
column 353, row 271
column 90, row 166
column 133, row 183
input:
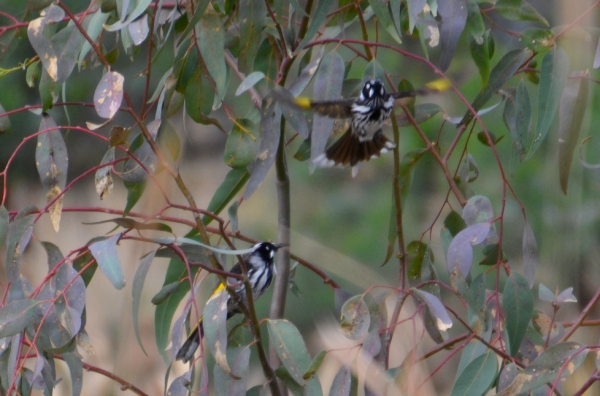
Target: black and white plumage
column 368, row 112
column 261, row 269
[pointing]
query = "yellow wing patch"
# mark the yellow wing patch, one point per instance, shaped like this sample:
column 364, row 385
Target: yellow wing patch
column 441, row 84
column 303, row 102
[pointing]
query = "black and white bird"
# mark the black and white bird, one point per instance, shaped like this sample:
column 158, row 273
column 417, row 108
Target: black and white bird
column 368, row 112
column 261, row 270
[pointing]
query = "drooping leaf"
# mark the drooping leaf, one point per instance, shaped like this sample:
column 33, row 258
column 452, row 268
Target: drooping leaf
column 139, row 8
column 4, row 222
column 342, row 382
column 143, row 160
column 546, row 294
column 530, row 254
column 233, row 183
column 67, row 44
column 19, row 235
column 76, row 371
column 252, row 20
column 560, row 360
column 109, row 94
column 180, row 385
column 356, row 319
column 538, row 40
column 224, row 383
column 477, row 378
column 211, row 40
column 103, row 178
column 460, row 251
column 105, row 253
column 523, row 121
column 553, row 77
column 500, row 74
column 199, row 96
column 4, row 120
column 42, row 43
column 315, row 22
column 168, row 141
column 415, row 251
column 383, row 15
column 241, row 147
column 139, row 29
column 52, row 162
column 566, row 296
column 93, row 30
column 15, row 316
column 573, row 105
column 328, row 85
column 481, row 56
column 454, row 223
column 475, row 24
column 248, row 82
column 519, row 10
column 270, row 125
column 478, row 210
column 415, row 7
column 292, row 113
column 290, row 347
column 215, row 329
column 454, row 18
column 134, row 193
column 136, row 294
column 164, row 293
column 315, row 365
column 307, row 73
column 517, row 301
column 436, row 308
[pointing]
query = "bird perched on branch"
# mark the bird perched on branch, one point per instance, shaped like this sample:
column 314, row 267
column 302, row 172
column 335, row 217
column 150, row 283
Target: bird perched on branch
column 260, row 268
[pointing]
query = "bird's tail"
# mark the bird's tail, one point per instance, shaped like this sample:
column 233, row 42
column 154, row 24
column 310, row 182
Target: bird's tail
column 350, row 150
column 186, row 352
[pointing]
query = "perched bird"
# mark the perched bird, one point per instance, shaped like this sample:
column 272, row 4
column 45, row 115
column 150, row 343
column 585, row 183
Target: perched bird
column 364, row 138
column 259, row 264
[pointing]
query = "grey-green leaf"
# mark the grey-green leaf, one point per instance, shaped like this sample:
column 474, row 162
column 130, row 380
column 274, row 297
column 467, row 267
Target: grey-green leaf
column 477, row 378
column 105, row 253
column 517, row 301
column 553, row 77
column 454, row 17
column 136, row 294
column 290, row 348
column 15, row 316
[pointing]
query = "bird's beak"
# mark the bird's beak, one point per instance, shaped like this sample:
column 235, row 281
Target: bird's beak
column 280, row 245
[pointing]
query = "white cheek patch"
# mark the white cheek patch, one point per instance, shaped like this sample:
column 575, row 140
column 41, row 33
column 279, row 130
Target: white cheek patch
column 272, row 253
column 371, row 93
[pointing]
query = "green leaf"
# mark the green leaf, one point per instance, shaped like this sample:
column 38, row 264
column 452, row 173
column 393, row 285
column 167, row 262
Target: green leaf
column 290, row 347
column 109, row 94
column 163, row 316
column 307, row 73
column 87, row 274
column 168, row 140
column 67, row 43
column 573, row 105
column 248, row 82
column 530, row 254
column 241, row 147
column 315, row 365
column 538, row 40
column 454, row 223
column 328, row 85
column 136, row 294
column 134, row 193
column 93, row 30
column 423, row 112
column 454, row 17
column 553, row 77
column 19, row 235
column 251, row 22
column 481, row 56
column 105, row 253
column 270, row 125
column 415, row 7
column 314, row 23
column 478, row 210
column 356, row 319
column 291, row 112
column 519, row 10
column 4, row 221
column 224, row 383
column 415, row 251
column 199, row 97
column 233, row 183
column 164, row 293
column 383, row 15
column 215, row 328
column 500, row 74
column 76, row 371
column 517, row 302
column 49, row 91
column 4, row 120
column 51, row 156
column 558, row 360
column 15, row 316
column 477, row 378
column 475, row 24
column 211, row 40
column 193, row 20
